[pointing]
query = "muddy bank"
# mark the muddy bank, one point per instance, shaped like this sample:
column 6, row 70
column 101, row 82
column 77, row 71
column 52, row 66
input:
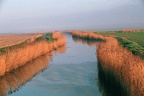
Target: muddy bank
column 19, row 55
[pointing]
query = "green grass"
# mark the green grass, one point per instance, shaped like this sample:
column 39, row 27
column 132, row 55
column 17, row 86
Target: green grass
column 137, row 37
column 47, row 37
column 132, row 41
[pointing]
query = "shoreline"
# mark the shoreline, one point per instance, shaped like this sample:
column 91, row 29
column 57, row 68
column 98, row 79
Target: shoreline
column 17, row 56
column 120, row 66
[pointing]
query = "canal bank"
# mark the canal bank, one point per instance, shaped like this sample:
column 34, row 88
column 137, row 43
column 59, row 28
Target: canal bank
column 12, row 57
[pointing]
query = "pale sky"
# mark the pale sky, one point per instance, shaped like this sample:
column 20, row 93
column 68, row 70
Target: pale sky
column 48, row 15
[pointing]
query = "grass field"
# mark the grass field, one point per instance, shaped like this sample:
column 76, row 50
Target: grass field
column 137, row 37
column 132, row 41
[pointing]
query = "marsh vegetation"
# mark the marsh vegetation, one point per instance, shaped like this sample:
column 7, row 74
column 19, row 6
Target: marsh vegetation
column 19, row 54
column 90, row 63
column 133, row 41
column 118, row 64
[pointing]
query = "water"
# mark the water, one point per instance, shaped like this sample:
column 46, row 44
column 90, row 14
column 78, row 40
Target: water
column 73, row 73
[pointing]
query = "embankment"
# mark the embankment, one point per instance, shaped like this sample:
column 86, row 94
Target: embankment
column 120, row 67
column 18, row 55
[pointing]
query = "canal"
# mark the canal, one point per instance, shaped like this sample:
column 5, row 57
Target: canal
column 70, row 71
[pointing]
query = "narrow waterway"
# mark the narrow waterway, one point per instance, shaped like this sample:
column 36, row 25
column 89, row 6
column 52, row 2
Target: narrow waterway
column 73, row 72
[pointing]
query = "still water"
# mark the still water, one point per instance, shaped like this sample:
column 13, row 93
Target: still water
column 72, row 71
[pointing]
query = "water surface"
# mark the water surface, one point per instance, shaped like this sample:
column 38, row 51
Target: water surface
column 73, row 73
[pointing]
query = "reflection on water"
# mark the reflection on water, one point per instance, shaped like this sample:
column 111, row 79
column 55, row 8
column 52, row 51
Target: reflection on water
column 122, row 68
column 17, row 78
column 106, row 81
column 73, row 73
column 85, row 41
column 14, row 80
column 60, row 50
column 107, row 84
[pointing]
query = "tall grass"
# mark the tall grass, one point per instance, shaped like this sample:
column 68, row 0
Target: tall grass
column 87, row 35
column 12, row 81
column 131, row 41
column 120, row 64
column 18, row 56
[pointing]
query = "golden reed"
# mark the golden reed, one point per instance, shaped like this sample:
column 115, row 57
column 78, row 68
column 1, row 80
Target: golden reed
column 12, row 81
column 21, row 55
column 85, row 41
column 87, row 35
column 120, row 64
column 15, row 79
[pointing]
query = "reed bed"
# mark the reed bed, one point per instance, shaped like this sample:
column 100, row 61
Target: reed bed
column 120, row 64
column 131, row 41
column 87, row 35
column 20, row 76
column 18, row 56
column 15, row 79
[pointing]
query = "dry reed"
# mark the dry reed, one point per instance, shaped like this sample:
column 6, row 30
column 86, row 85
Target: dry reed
column 19, row 56
column 12, row 81
column 120, row 63
column 87, row 35
column 20, row 76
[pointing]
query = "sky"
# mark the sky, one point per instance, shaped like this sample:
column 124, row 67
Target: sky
column 49, row 15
